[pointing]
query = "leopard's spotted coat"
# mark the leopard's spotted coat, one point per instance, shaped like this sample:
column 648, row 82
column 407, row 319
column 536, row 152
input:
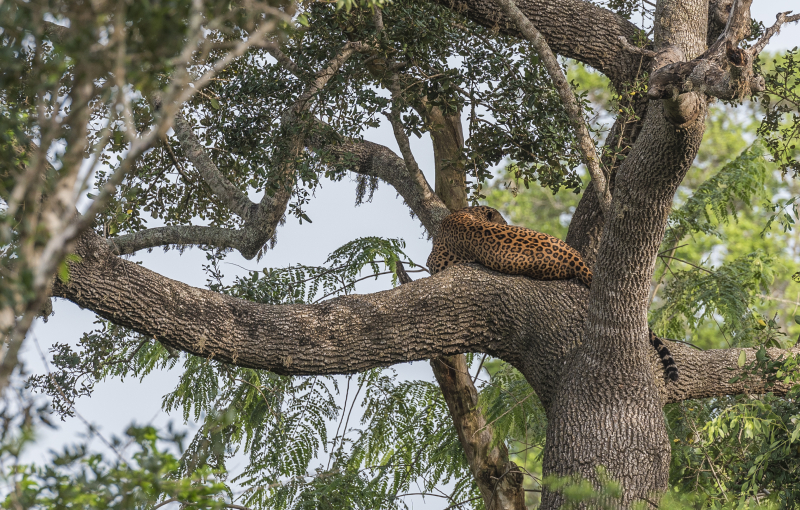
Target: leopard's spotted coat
column 480, row 234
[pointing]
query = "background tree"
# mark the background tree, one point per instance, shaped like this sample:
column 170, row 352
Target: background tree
column 276, row 121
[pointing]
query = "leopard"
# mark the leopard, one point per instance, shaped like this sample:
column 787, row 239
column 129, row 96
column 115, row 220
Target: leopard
column 481, row 235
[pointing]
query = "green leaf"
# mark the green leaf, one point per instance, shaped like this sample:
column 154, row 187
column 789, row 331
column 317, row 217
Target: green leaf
column 215, row 103
column 742, row 358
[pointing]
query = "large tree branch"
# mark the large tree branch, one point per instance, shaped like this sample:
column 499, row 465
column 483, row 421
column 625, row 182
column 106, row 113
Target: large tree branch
column 573, row 28
column 372, row 159
column 416, row 321
column 534, row 325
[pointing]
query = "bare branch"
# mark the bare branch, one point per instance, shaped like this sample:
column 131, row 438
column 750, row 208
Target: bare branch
column 224, row 190
column 575, row 29
column 274, row 50
column 637, row 50
column 242, row 240
column 781, row 18
column 368, row 158
column 585, row 142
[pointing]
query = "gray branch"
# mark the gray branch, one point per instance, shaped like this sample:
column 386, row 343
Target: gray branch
column 372, row 159
column 185, row 235
column 585, row 142
column 573, row 28
column 225, row 191
column 260, row 220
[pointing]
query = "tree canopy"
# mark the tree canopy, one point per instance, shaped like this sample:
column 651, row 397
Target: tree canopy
column 665, row 155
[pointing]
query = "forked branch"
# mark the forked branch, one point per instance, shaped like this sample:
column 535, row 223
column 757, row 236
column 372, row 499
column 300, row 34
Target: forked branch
column 724, row 70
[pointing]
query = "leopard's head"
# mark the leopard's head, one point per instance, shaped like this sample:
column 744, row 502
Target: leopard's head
column 485, row 213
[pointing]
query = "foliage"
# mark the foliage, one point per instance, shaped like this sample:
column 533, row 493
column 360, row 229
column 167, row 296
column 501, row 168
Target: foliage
column 137, row 471
column 69, row 74
column 441, row 62
column 780, row 128
column 303, row 284
column 281, row 423
column 749, row 444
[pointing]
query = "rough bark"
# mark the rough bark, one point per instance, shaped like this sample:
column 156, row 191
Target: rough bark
column 534, row 325
column 616, row 411
column 499, row 480
column 573, row 28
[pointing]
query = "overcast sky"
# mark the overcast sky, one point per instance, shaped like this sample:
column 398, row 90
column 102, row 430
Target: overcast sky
column 336, row 221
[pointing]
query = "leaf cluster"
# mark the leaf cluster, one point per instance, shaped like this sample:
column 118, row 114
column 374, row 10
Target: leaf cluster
column 780, row 128
column 748, row 449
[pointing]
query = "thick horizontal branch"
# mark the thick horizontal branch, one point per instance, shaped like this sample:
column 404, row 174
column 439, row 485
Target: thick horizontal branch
column 420, row 320
column 707, row 373
column 573, row 28
column 534, row 325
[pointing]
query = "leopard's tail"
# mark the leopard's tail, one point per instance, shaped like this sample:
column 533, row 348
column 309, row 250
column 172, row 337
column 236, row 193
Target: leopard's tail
column 670, row 368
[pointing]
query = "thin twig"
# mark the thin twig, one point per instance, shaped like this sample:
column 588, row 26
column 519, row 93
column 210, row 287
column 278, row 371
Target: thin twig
column 573, row 110
column 64, row 396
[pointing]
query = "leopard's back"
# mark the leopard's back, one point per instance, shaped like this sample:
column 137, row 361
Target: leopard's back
column 479, row 234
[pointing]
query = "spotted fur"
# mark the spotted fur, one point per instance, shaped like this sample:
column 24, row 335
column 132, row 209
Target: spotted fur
column 480, row 234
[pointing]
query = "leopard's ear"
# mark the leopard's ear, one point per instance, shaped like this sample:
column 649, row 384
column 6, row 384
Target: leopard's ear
column 496, row 217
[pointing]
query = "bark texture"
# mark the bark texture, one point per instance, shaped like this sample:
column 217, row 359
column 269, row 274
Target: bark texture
column 534, row 325
column 573, row 28
column 608, row 396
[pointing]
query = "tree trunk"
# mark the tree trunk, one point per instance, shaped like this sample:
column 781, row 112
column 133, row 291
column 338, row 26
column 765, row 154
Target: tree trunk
column 607, row 411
